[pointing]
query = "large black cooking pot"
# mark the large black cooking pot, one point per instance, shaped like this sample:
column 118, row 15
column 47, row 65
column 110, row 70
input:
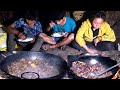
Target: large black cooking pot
column 106, row 61
column 51, row 59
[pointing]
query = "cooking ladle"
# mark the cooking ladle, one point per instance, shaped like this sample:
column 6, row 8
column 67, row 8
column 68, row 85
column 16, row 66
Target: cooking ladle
column 8, row 53
column 95, row 74
column 4, row 55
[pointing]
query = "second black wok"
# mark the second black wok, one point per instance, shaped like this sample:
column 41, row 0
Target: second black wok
column 105, row 61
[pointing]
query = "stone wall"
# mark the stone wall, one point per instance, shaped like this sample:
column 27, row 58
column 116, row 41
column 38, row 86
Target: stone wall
column 6, row 15
column 113, row 18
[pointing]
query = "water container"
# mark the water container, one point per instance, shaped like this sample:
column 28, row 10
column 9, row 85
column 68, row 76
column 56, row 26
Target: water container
column 118, row 46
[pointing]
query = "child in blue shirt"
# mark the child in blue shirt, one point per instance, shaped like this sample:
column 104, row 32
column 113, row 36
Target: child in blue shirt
column 60, row 23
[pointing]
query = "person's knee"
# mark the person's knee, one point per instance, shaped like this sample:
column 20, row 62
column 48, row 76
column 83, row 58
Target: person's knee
column 42, row 35
column 75, row 44
column 110, row 46
column 71, row 37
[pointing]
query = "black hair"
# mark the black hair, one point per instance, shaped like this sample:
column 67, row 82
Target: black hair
column 58, row 15
column 97, row 14
column 30, row 15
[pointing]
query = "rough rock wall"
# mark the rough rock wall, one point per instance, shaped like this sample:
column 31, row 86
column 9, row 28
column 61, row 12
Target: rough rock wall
column 6, row 15
column 113, row 18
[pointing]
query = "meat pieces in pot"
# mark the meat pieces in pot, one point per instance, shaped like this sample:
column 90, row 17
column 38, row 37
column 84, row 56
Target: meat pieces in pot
column 37, row 68
column 82, row 69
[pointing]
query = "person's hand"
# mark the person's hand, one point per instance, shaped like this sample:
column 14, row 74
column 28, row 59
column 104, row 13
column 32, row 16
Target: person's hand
column 51, row 24
column 33, row 40
column 92, row 51
column 96, row 40
column 66, row 34
column 89, row 50
column 21, row 35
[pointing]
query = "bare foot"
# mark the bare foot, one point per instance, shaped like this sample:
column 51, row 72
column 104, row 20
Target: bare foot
column 101, row 53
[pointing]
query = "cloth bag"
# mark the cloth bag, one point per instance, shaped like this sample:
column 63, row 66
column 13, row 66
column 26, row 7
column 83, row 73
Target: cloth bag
column 3, row 38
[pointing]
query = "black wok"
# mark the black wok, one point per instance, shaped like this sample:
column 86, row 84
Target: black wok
column 53, row 60
column 105, row 61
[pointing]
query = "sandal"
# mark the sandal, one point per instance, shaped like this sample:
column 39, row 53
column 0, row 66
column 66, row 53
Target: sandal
column 46, row 46
column 63, row 47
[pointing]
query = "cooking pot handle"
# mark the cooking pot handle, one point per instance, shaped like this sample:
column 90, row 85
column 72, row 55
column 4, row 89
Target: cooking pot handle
column 7, row 53
column 22, row 75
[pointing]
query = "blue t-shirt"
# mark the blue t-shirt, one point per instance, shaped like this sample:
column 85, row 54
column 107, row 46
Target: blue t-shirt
column 69, row 27
column 29, row 32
